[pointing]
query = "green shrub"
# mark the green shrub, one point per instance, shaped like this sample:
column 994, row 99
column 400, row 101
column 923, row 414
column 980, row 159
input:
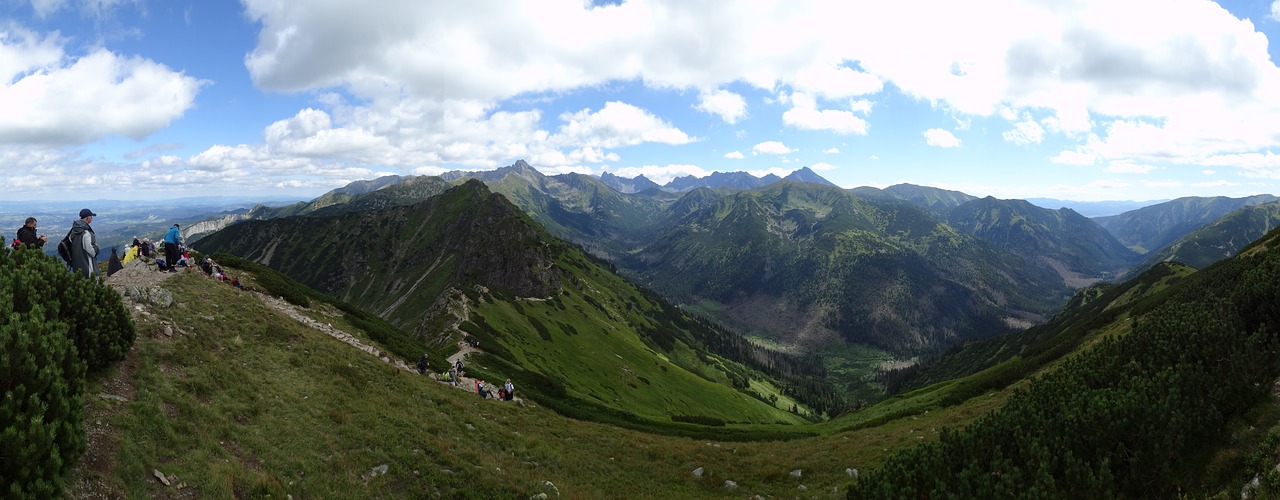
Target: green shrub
column 98, row 323
column 41, row 414
column 269, row 279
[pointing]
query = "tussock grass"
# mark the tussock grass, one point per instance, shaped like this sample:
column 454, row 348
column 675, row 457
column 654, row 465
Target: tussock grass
column 249, row 402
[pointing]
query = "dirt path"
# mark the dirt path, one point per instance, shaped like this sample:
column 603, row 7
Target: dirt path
column 292, row 311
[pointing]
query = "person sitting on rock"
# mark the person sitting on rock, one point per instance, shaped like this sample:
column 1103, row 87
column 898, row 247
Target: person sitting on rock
column 481, row 389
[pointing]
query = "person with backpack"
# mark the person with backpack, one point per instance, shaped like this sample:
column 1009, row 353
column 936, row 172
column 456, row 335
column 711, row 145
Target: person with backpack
column 508, row 390
column 172, row 239
column 27, row 235
column 422, row 365
column 83, row 245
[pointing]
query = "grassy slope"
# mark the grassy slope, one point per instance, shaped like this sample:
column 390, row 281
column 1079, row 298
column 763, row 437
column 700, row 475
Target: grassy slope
column 248, row 402
column 587, row 338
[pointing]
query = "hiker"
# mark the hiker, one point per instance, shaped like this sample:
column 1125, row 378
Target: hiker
column 235, row 281
column 422, row 364
column 172, row 239
column 508, row 390
column 114, row 264
column 481, row 389
column 458, row 366
column 207, row 266
column 84, row 244
column 27, row 234
column 452, row 375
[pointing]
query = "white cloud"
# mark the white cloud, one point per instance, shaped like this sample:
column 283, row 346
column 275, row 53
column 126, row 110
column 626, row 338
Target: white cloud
column 940, row 138
column 804, row 114
column 52, row 98
column 1162, row 184
column 1208, row 172
column 1026, row 131
column 771, row 148
column 734, row 155
column 617, row 124
column 822, row 166
column 1275, row 10
column 729, row 106
column 831, row 151
column 1217, row 183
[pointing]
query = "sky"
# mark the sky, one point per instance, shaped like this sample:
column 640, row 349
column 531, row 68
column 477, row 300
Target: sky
column 1070, row 99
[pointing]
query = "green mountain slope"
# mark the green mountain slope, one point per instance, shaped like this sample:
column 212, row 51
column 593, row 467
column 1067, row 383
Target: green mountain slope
column 1149, row 228
column 1219, row 239
column 1153, row 388
column 1074, row 245
column 816, row 263
column 568, row 329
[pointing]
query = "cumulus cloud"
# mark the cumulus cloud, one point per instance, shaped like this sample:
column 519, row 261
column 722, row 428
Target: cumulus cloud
column 1026, row 131
column 941, row 138
column 831, row 151
column 617, row 124
column 52, row 98
column 734, row 155
column 1275, row 10
column 771, row 148
column 804, row 114
column 822, row 166
column 729, row 106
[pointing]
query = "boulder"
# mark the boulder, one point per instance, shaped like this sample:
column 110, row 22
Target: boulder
column 697, row 472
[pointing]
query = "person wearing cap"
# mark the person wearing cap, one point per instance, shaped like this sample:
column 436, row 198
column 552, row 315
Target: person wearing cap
column 84, row 245
column 171, row 241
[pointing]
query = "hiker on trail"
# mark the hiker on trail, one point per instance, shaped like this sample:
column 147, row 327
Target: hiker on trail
column 508, row 390
column 452, row 375
column 481, row 390
column 458, row 366
column 172, row 239
column 84, row 245
column 27, row 234
column 422, row 365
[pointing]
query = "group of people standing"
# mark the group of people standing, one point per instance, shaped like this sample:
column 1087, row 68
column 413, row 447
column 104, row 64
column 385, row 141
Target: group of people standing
column 455, row 374
column 82, row 243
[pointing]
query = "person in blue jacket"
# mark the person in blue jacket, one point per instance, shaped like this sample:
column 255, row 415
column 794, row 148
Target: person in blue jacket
column 172, row 239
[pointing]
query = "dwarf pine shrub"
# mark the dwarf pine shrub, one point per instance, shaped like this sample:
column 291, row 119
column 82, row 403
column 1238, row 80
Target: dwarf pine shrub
column 53, row 326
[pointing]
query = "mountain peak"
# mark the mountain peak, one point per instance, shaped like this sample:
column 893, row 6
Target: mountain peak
column 807, row 175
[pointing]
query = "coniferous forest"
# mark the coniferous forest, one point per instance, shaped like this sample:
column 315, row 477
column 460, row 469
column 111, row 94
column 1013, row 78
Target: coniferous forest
column 1130, row 417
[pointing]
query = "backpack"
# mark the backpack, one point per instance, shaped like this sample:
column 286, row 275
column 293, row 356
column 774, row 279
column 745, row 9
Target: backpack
column 64, row 248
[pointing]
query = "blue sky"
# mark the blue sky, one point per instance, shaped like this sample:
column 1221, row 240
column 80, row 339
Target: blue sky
column 1086, row 100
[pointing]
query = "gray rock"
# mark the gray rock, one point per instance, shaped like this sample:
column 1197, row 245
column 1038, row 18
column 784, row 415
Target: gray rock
column 539, row 496
column 134, row 293
column 113, row 397
column 697, row 472
column 802, row 488
column 160, row 475
column 471, row 427
column 550, row 488
column 168, row 331
column 160, row 296
column 797, row 473
column 730, row 484
column 853, row 473
column 379, row 470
